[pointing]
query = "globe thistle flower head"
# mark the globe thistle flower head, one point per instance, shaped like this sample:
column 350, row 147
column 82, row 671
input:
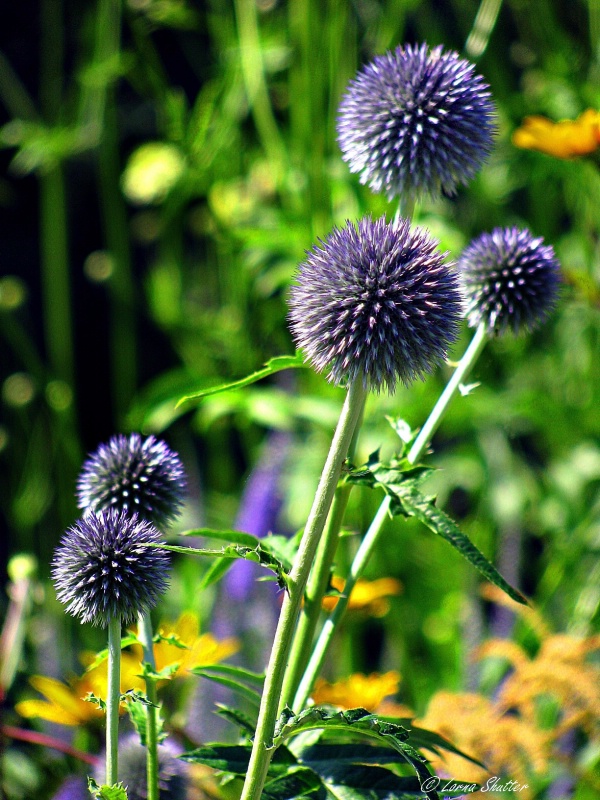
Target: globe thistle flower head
column 376, row 303
column 511, row 280
column 103, row 568
column 416, row 122
column 172, row 771
column 136, row 474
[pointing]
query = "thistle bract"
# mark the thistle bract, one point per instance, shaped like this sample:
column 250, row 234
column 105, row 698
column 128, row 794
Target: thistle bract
column 103, row 568
column 375, row 303
column 510, row 279
column 416, row 121
column 136, row 474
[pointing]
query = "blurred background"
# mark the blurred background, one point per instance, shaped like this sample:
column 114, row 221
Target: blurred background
column 164, row 166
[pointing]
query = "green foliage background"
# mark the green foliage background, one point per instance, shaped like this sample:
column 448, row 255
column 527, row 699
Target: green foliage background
column 110, row 310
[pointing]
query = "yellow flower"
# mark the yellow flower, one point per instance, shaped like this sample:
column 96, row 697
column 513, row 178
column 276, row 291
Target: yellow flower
column 357, row 691
column 198, row 650
column 564, row 139
column 64, row 702
column 506, row 744
column 368, row 596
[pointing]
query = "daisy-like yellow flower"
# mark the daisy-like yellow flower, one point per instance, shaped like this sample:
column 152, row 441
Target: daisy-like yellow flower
column 357, row 691
column 64, row 702
column 371, row 597
column 506, row 744
column 564, row 139
column 198, row 649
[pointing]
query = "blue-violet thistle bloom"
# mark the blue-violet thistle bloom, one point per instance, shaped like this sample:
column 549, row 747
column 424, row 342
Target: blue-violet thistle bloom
column 510, row 279
column 416, row 122
column 136, row 474
column 376, row 303
column 172, row 771
column 103, row 568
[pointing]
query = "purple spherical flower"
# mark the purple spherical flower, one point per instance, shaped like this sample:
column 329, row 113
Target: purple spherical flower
column 510, row 278
column 103, row 568
column 135, row 474
column 416, row 121
column 375, row 302
column 172, row 771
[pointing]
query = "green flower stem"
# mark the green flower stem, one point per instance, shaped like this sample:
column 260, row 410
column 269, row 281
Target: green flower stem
column 145, row 637
column 483, row 26
column 460, row 373
column 331, row 623
column 372, row 535
column 317, row 585
column 113, row 701
column 278, row 662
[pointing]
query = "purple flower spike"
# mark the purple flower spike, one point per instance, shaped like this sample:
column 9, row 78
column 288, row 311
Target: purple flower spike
column 103, row 568
column 376, row 303
column 135, row 474
column 511, row 280
column 416, row 122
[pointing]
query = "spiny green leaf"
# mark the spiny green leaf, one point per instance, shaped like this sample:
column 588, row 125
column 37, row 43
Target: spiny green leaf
column 415, row 504
column 231, row 537
column 135, row 696
column 217, row 570
column 116, row 792
column 245, row 691
column 97, row 701
column 234, row 758
column 244, row 676
column 259, row 555
column 102, row 655
column 297, row 783
column 390, row 477
column 322, row 757
column 271, row 367
column 359, row 719
column 356, row 720
column 245, row 722
column 359, row 782
column 419, row 738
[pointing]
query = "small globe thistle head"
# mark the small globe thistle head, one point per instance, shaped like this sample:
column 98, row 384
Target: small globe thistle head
column 416, row 122
column 172, row 771
column 104, row 568
column 136, row 474
column 510, row 279
column 376, row 303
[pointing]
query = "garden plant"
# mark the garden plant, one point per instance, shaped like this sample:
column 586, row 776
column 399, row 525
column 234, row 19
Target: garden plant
column 333, row 355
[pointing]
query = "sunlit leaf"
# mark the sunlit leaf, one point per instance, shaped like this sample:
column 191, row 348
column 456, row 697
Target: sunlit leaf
column 276, row 364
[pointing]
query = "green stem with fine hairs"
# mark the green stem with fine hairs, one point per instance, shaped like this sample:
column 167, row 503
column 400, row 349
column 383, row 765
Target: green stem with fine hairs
column 278, row 662
column 318, row 582
column 145, row 638
column 372, row 535
column 113, row 701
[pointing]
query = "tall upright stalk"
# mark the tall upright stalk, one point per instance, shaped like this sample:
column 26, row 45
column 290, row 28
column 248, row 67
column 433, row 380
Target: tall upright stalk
column 271, row 698
column 113, row 700
column 372, row 535
column 145, row 637
column 318, row 582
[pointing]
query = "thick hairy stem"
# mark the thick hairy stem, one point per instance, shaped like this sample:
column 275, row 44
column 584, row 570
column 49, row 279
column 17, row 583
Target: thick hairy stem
column 278, row 663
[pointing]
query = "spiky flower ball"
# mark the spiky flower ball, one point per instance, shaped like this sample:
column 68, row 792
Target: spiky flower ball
column 103, row 568
column 172, row 771
column 416, row 121
column 134, row 473
column 376, row 303
column 510, row 278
